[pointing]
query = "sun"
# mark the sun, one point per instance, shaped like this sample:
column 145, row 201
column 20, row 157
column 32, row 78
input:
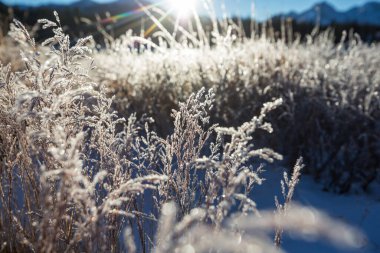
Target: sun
column 183, row 8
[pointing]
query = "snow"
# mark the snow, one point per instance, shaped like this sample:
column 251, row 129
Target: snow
column 358, row 210
column 366, row 14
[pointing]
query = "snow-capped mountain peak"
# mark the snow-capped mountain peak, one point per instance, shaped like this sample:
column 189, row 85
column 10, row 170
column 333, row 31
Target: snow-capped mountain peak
column 326, row 14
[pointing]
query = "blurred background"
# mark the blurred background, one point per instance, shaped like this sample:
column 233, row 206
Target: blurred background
column 97, row 17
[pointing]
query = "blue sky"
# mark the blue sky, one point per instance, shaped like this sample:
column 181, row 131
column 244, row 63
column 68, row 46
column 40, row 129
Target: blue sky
column 264, row 8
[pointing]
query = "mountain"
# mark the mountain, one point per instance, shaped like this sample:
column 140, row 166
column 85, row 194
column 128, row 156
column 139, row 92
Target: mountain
column 88, row 6
column 84, row 4
column 364, row 20
column 367, row 14
column 72, row 16
column 113, row 7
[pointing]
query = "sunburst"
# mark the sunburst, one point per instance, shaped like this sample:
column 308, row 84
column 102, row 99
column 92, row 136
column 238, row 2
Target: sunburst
column 182, row 8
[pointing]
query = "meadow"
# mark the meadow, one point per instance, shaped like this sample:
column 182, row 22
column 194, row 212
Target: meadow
column 154, row 144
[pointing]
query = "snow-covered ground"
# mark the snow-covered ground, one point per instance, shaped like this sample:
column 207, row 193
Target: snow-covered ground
column 361, row 211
